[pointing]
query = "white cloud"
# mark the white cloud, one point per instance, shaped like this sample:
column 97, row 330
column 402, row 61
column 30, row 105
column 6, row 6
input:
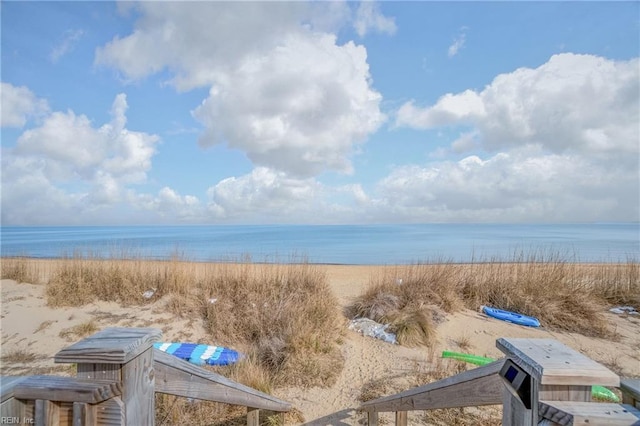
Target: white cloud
column 261, row 194
column 281, row 91
column 69, row 168
column 199, row 42
column 458, row 43
column 270, row 196
column 369, row 17
column 168, row 205
column 572, row 103
column 519, row 186
column 463, row 108
column 566, row 144
column 19, row 104
column 68, row 43
column 302, row 108
column 73, row 148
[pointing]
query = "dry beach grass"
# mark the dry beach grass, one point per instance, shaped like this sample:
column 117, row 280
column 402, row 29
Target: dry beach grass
column 290, row 321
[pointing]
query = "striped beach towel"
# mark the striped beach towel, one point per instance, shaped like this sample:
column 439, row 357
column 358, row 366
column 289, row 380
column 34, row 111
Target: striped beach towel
column 200, row 354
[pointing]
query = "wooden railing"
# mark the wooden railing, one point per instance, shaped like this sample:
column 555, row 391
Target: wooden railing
column 118, row 374
column 540, row 379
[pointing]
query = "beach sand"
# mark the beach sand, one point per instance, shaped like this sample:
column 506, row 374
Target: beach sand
column 28, row 324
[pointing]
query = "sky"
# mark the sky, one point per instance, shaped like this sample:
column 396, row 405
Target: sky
column 319, row 112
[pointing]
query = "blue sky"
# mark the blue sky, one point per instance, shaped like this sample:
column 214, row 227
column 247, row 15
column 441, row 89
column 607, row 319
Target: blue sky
column 320, row 112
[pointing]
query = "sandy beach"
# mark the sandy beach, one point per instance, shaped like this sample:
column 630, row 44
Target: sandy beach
column 27, row 323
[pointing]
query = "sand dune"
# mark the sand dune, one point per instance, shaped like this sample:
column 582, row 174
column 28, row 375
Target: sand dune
column 29, row 326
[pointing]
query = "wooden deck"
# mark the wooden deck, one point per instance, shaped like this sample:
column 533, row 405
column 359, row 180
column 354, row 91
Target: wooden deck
column 540, row 379
column 118, row 374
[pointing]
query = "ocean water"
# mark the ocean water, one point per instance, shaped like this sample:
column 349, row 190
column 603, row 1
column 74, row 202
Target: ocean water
column 335, row 244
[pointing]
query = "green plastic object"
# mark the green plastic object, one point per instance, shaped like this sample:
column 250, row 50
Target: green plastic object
column 603, row 393
column 471, row 359
column 599, row 392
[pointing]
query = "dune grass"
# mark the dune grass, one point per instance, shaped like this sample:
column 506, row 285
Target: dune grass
column 287, row 321
column 20, row 269
column 562, row 295
column 283, row 316
column 286, row 314
column 78, row 281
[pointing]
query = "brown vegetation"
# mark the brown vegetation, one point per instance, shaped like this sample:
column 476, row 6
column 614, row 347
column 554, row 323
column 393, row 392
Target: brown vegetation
column 284, row 317
column 287, row 321
column 563, row 296
column 20, row 269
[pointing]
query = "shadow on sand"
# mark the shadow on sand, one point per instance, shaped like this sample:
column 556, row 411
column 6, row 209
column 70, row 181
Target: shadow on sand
column 334, row 419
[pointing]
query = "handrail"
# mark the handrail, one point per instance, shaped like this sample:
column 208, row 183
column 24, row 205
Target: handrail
column 480, row 386
column 118, row 374
column 174, row 376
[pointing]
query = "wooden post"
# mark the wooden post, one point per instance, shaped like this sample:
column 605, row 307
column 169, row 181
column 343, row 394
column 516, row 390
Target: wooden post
column 47, row 413
column 401, row 418
column 372, row 418
column 253, row 416
column 124, row 355
column 630, row 392
column 556, row 373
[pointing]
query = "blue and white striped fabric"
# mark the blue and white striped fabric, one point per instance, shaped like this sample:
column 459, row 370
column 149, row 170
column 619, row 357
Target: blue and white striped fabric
column 200, row 354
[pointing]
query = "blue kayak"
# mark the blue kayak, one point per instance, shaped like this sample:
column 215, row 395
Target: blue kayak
column 200, row 354
column 511, row 317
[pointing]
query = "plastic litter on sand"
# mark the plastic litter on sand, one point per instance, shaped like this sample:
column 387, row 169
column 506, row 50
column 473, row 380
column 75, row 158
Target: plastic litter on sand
column 629, row 310
column 368, row 327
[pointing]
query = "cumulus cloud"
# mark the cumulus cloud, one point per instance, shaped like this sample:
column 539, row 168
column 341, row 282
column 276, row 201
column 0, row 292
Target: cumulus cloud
column 281, row 90
column 572, row 103
column 370, row 18
column 563, row 140
column 73, row 148
column 462, row 108
column 67, row 166
column 270, row 196
column 262, row 193
column 66, row 45
column 510, row 187
column 19, row 104
column 199, row 42
column 300, row 109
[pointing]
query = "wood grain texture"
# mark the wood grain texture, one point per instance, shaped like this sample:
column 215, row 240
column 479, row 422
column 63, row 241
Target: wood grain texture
column 253, row 417
column 115, row 345
column 84, row 414
column 47, row 413
column 514, row 413
column 110, row 412
column 68, row 389
column 401, row 418
column 372, row 418
column 138, row 396
column 630, row 392
column 564, row 393
column 589, row 413
column 480, row 386
column 99, row 371
column 8, row 384
column 178, row 377
column 13, row 407
column 552, row 363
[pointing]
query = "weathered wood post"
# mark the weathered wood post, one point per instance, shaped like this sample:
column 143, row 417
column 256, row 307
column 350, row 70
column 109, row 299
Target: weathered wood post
column 124, row 355
column 545, row 370
column 630, row 392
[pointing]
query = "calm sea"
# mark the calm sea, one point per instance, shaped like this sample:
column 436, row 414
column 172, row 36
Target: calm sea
column 340, row 244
